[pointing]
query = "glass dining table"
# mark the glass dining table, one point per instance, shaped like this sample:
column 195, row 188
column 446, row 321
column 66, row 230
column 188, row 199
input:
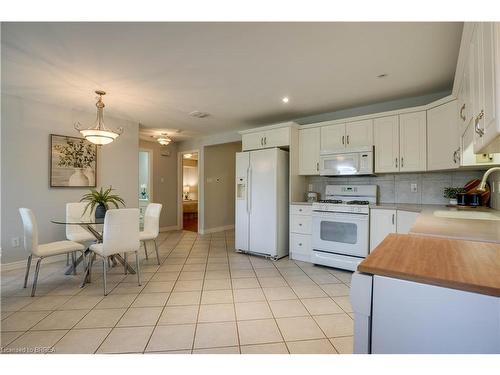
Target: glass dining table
column 94, row 226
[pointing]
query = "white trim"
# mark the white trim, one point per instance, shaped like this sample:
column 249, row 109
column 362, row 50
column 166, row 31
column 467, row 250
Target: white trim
column 462, row 55
column 170, row 228
column 218, row 229
column 22, row 263
column 269, row 127
column 180, row 180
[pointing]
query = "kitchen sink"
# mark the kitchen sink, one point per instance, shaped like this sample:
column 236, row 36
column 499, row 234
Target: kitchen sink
column 469, row 214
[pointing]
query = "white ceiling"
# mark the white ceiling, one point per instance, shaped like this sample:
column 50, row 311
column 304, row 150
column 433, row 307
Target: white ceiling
column 157, row 73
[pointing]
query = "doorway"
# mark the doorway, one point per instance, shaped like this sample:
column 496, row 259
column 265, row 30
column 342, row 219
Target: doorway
column 145, row 181
column 190, row 183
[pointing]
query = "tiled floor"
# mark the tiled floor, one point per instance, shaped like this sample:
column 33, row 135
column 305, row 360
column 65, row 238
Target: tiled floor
column 204, row 298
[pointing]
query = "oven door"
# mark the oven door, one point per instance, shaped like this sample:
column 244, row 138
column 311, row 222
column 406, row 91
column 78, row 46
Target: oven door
column 340, row 233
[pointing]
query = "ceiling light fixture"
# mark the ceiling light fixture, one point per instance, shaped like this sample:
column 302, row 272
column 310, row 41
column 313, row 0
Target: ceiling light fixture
column 285, row 100
column 199, row 114
column 188, row 156
column 163, row 139
column 383, row 75
column 99, row 134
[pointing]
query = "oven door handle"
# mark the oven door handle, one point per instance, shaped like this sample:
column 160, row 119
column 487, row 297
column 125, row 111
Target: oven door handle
column 348, row 217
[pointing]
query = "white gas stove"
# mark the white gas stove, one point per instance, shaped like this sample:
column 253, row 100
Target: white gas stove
column 340, row 225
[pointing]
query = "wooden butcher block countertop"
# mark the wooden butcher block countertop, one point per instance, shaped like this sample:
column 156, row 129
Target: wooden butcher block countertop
column 465, row 265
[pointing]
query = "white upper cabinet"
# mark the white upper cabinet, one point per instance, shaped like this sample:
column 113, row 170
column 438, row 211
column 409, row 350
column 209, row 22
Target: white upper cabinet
column 252, row 141
column 386, row 139
column 443, row 150
column 359, row 133
column 309, row 146
column 333, row 137
column 412, row 142
column 277, row 137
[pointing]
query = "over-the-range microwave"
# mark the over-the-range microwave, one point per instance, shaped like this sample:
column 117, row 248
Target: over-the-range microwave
column 355, row 161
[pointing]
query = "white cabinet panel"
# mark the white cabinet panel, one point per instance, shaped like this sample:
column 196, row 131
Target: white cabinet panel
column 359, row 133
column 309, row 145
column 442, row 137
column 300, row 247
column 333, row 137
column 386, row 139
column 277, row 137
column 382, row 223
column 413, row 142
column 405, row 220
column 252, row 141
column 300, row 224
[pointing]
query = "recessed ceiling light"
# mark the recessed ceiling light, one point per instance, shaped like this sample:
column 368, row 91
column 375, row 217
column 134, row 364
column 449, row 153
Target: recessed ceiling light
column 199, row 114
column 383, row 75
column 285, row 99
column 188, row 156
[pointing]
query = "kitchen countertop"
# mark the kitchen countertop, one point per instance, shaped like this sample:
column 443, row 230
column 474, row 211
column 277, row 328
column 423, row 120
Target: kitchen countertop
column 464, row 265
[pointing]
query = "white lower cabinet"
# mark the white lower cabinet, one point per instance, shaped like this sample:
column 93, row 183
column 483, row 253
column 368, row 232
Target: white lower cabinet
column 405, row 220
column 300, row 233
column 384, row 222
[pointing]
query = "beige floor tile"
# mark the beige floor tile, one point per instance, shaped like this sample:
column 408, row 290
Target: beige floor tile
column 172, row 337
column 288, row 308
column 45, row 303
column 192, row 275
column 322, row 346
column 5, row 314
column 159, row 287
column 188, row 285
column 324, row 278
column 336, row 290
column 8, row 337
column 252, row 310
column 16, row 303
column 267, row 272
column 279, row 293
column 224, row 350
column 248, row 295
column 165, row 276
column 344, row 276
column 216, row 296
column 127, row 288
column 101, row 318
column 272, row 282
column 116, row 301
column 81, row 341
column 126, row 340
column 246, row 283
column 184, row 298
column 216, row 313
column 140, row 316
column 299, row 328
column 217, row 274
column 23, row 320
column 299, row 281
column 308, row 291
column 217, row 284
column 179, row 315
column 344, row 345
column 335, row 325
column 239, row 273
column 185, row 351
column 194, row 267
column 151, row 300
column 170, row 267
column 320, row 306
column 36, row 341
column 81, row 302
column 278, row 348
column 132, row 278
column 211, row 335
column 63, row 319
column 258, row 332
column 344, row 302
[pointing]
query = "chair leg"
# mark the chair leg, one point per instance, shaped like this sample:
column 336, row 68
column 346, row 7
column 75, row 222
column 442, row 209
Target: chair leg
column 35, row 278
column 85, row 269
column 156, row 249
column 104, row 264
column 138, row 270
column 91, row 264
column 73, row 261
column 28, row 265
column 67, row 259
column 145, row 249
column 125, row 265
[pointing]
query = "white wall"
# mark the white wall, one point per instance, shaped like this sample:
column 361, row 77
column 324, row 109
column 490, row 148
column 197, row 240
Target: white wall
column 25, row 139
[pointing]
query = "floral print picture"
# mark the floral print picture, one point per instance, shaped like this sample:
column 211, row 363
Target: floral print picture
column 73, row 162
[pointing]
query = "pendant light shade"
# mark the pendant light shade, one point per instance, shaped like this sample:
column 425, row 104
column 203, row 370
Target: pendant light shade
column 99, row 134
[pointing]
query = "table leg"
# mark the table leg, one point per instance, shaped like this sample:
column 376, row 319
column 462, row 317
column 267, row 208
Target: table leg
column 72, row 268
column 119, row 258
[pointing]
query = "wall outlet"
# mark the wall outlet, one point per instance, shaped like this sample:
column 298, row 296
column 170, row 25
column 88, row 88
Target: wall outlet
column 413, row 188
column 15, row 242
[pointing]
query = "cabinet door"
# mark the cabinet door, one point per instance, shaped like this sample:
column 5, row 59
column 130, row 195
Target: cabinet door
column 332, row 137
column 359, row 133
column 386, row 137
column 413, row 141
column 252, row 141
column 277, row 137
column 309, row 143
column 405, row 220
column 442, row 137
column 382, row 223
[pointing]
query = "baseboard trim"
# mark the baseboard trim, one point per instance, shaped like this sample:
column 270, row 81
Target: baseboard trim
column 218, row 229
column 22, row 263
column 170, row 228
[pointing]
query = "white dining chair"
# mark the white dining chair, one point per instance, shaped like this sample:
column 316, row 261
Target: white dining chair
column 120, row 235
column 151, row 227
column 42, row 251
column 75, row 213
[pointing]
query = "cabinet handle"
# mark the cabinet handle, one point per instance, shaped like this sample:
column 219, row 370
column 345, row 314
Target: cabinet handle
column 300, row 209
column 262, row 141
column 347, row 139
column 343, row 139
column 300, row 243
column 456, row 155
column 462, row 116
column 402, row 162
column 265, row 140
column 300, row 224
column 317, row 167
column 476, row 124
column 396, row 162
column 392, row 219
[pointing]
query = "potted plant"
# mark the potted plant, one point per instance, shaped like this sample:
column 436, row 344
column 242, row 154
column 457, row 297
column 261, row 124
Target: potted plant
column 78, row 155
column 452, row 192
column 100, row 200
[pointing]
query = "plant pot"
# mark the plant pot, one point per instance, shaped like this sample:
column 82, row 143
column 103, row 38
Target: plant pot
column 78, row 178
column 453, row 201
column 100, row 212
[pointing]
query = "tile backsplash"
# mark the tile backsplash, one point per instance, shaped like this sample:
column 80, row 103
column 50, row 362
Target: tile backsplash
column 396, row 188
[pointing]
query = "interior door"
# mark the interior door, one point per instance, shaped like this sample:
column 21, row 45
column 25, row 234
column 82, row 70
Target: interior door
column 263, row 201
column 359, row 133
column 242, row 216
column 333, row 137
column 386, row 139
column 413, row 141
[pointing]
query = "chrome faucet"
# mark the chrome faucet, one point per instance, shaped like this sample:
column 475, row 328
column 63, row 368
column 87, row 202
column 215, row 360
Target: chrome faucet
column 485, row 177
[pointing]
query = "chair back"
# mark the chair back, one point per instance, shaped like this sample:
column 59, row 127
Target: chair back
column 30, row 227
column 121, row 231
column 74, row 213
column 152, row 219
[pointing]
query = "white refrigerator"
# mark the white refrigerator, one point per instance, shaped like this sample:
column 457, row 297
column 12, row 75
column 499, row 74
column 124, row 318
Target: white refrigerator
column 261, row 225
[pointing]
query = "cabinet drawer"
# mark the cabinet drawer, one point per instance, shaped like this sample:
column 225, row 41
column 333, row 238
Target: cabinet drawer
column 300, row 244
column 300, row 224
column 300, row 209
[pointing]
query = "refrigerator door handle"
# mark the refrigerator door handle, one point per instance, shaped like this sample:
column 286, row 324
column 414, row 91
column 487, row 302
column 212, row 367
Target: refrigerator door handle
column 249, row 194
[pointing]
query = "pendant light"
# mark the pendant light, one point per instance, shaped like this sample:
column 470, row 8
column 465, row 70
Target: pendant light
column 99, row 134
column 163, row 139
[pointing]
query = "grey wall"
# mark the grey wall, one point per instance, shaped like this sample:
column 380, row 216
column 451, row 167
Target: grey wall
column 26, row 126
column 219, row 163
column 164, row 180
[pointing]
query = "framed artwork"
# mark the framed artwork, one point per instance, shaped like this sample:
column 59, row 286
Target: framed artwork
column 73, row 162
